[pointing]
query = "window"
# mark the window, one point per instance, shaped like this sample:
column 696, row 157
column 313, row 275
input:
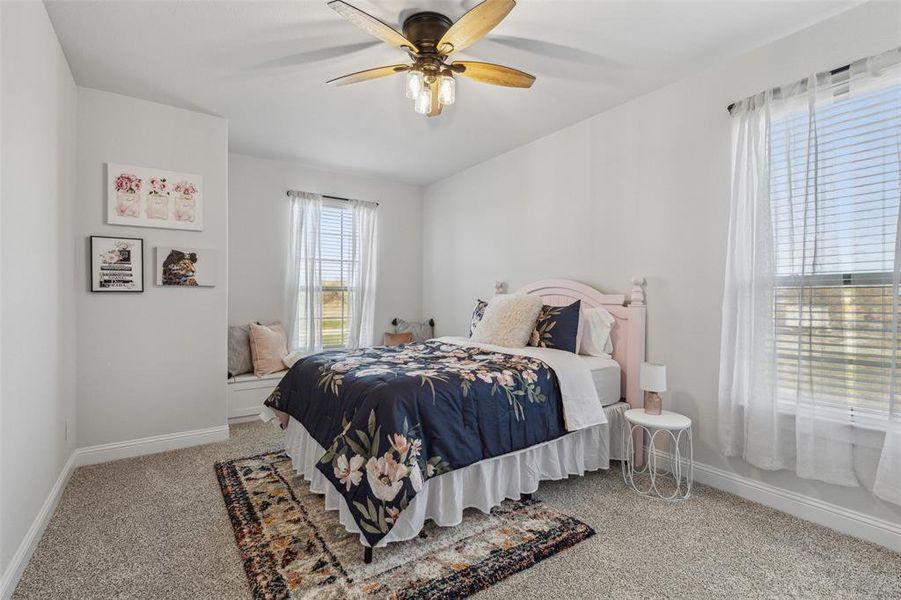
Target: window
column 331, row 272
column 809, row 354
column 336, row 259
column 835, row 188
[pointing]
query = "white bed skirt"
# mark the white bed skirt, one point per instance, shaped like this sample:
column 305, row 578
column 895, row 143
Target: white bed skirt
column 482, row 485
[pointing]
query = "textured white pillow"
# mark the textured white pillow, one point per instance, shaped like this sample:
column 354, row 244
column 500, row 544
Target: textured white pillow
column 292, row 358
column 509, row 320
column 596, row 324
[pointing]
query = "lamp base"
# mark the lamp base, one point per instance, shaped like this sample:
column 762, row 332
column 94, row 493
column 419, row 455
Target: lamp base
column 653, row 405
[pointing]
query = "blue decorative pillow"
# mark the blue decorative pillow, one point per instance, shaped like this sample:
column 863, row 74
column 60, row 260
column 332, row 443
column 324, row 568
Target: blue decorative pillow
column 557, row 327
column 477, row 315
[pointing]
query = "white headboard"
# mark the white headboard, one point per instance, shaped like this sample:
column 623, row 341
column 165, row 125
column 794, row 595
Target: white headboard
column 628, row 333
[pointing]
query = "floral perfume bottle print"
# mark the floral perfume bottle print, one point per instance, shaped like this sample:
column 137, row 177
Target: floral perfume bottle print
column 158, row 199
column 184, row 201
column 128, row 197
column 150, row 197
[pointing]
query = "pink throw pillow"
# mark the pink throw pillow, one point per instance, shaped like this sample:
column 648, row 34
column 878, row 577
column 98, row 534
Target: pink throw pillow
column 268, row 346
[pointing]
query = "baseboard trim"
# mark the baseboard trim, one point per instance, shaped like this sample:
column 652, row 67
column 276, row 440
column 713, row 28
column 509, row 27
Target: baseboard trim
column 10, row 577
column 91, row 455
column 845, row 520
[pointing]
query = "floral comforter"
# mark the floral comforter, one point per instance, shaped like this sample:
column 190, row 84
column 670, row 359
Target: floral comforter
column 392, row 417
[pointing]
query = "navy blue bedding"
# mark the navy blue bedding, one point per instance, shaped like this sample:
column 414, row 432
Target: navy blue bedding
column 392, row 417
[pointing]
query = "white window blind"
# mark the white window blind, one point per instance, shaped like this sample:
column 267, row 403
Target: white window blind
column 835, row 190
column 336, row 256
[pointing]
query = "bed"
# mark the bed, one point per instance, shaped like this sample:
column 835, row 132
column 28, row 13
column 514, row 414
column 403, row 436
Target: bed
column 393, row 437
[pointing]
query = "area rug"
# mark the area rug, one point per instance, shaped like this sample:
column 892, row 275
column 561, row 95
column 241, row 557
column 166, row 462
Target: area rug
column 295, row 549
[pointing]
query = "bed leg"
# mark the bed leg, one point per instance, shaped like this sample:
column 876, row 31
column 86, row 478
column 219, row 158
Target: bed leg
column 525, row 496
column 367, row 554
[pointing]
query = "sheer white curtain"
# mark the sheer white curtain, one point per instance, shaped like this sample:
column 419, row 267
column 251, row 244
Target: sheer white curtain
column 303, row 282
column 808, row 360
column 361, row 285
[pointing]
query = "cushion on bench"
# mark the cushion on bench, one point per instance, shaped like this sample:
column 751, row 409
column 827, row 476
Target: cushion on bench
column 251, row 377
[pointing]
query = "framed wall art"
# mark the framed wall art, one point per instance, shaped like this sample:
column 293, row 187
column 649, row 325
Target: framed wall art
column 117, row 264
column 145, row 197
column 185, row 267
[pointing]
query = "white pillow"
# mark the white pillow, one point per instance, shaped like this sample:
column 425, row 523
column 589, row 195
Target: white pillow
column 596, row 324
column 509, row 320
column 292, row 358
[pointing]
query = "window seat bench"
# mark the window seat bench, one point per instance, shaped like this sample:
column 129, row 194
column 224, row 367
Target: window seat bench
column 247, row 392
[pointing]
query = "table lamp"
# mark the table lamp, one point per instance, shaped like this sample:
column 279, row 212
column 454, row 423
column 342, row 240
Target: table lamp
column 652, row 379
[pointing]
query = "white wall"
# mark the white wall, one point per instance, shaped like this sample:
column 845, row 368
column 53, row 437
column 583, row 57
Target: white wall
column 258, row 240
column 150, row 363
column 642, row 189
column 37, row 250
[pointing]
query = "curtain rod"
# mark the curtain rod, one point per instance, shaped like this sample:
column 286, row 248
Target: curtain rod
column 835, row 71
column 339, row 198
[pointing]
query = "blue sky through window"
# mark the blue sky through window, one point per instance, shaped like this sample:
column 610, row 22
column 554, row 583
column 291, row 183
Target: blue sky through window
column 835, row 189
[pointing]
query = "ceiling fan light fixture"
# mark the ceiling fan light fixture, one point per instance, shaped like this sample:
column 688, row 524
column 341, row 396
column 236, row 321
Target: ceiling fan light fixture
column 415, row 83
column 447, row 89
column 423, row 101
column 429, row 38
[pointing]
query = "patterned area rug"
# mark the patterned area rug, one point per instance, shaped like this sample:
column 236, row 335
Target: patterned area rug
column 293, row 548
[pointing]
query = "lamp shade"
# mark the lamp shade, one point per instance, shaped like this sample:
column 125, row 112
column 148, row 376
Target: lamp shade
column 652, row 377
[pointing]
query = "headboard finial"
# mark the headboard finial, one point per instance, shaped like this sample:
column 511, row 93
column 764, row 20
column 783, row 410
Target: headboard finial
column 637, row 296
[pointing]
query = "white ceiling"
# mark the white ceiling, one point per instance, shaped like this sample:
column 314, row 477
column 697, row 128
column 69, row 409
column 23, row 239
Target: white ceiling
column 263, row 65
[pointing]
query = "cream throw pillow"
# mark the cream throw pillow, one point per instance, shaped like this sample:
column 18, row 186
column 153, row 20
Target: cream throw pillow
column 268, row 346
column 508, row 320
column 292, row 358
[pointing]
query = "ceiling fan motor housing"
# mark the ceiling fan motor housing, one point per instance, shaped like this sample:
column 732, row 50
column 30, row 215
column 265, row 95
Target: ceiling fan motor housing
column 425, row 30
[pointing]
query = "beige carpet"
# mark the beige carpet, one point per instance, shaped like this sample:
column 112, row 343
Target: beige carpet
column 156, row 527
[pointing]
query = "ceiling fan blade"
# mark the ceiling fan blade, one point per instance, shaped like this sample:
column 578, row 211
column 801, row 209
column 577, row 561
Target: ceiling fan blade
column 310, row 57
column 474, row 25
column 554, row 50
column 493, row 74
column 435, row 108
column 371, row 25
column 369, row 74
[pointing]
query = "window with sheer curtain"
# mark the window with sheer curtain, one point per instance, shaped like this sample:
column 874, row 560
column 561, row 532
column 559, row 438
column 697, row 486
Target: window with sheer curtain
column 331, row 273
column 835, row 249
column 810, row 326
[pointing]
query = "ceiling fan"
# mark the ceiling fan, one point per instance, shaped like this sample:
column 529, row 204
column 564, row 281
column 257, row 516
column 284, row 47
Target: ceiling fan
column 430, row 38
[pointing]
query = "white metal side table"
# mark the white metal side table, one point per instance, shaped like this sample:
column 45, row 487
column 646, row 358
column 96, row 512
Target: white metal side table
column 671, row 429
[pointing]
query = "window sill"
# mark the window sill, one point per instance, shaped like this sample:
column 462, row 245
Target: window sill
column 870, row 419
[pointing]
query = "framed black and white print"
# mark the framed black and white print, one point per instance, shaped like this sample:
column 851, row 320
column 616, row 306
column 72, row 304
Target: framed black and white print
column 117, row 264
